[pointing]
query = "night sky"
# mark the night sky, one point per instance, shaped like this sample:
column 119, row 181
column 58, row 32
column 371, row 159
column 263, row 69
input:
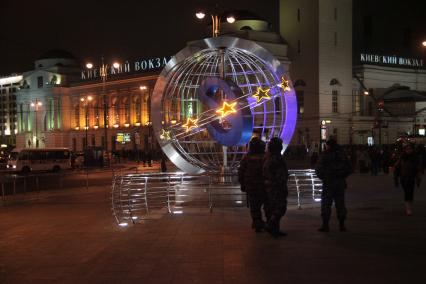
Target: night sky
column 141, row 29
column 119, row 30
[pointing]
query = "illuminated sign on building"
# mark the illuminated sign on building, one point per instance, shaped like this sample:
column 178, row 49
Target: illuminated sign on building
column 391, row 60
column 123, row 138
column 127, row 67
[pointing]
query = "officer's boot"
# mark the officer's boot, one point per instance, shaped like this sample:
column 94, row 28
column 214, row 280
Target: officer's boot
column 408, row 210
column 324, row 227
column 342, row 226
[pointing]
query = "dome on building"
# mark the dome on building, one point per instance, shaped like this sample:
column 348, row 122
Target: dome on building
column 56, row 53
column 242, row 15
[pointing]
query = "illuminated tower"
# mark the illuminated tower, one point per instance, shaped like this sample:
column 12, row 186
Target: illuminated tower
column 319, row 37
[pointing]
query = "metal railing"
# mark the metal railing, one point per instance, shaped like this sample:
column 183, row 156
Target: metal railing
column 137, row 197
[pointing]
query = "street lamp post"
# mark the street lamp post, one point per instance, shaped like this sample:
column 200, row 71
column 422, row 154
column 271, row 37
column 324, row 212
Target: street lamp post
column 104, row 75
column 215, row 21
column 86, row 101
column 215, row 33
column 36, row 106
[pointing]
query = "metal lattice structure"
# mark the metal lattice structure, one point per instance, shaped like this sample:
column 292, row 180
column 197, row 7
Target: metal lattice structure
column 177, row 98
column 137, row 197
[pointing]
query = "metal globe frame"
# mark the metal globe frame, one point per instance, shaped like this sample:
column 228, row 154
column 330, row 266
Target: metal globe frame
column 183, row 124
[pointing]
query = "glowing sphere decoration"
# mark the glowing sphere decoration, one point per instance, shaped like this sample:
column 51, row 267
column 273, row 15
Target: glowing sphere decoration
column 213, row 96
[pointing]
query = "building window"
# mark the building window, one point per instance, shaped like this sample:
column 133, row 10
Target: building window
column 77, row 116
column 138, row 107
column 300, row 101
column 40, row 82
column 356, row 102
column 298, row 46
column 298, row 15
column 116, row 113
column 370, row 109
column 334, row 101
column 126, row 112
column 97, row 114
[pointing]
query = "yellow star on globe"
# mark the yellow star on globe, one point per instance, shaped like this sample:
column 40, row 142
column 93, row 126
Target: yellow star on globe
column 227, row 109
column 284, row 84
column 165, row 135
column 261, row 94
column 190, row 123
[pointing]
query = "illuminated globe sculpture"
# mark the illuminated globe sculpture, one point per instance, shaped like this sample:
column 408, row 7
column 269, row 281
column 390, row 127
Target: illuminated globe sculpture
column 213, row 96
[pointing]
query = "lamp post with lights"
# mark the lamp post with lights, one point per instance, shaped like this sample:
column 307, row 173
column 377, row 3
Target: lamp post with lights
column 36, row 105
column 104, row 75
column 215, row 33
column 215, row 21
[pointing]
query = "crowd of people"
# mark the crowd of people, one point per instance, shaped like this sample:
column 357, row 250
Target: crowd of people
column 263, row 175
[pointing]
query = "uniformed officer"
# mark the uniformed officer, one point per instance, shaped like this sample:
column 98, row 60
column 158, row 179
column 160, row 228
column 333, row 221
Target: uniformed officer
column 251, row 180
column 275, row 173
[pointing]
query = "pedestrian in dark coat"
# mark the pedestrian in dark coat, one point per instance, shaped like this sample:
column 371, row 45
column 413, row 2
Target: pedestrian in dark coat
column 408, row 169
column 333, row 168
column 275, row 173
column 251, row 180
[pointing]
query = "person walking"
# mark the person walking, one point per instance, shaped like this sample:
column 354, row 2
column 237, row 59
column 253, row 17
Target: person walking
column 408, row 170
column 275, row 173
column 333, row 168
column 251, row 180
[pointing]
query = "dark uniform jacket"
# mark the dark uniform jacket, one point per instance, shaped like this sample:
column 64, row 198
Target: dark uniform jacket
column 275, row 173
column 250, row 173
column 333, row 168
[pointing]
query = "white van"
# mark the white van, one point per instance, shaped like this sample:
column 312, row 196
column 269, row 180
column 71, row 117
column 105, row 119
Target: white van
column 46, row 159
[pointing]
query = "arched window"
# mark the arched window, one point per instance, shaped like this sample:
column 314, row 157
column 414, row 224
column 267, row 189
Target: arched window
column 246, row 28
column 299, row 83
column 334, row 82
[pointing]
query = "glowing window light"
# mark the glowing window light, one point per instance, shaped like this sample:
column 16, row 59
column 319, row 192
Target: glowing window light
column 262, row 94
column 115, row 125
column 190, row 124
column 227, row 109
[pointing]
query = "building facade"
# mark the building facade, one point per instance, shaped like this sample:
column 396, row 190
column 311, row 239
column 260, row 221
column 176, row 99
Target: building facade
column 341, row 91
column 8, row 112
column 356, row 97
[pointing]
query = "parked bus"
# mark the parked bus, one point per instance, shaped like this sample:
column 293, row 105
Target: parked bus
column 46, row 159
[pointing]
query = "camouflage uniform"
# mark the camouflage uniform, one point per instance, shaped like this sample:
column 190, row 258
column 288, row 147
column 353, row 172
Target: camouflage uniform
column 276, row 175
column 251, row 179
column 333, row 168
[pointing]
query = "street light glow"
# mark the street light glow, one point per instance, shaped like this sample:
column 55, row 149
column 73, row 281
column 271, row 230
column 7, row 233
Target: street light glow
column 424, row 43
column 39, row 104
column 33, row 104
column 116, row 65
column 200, row 15
column 142, row 88
column 82, row 99
column 89, row 65
column 89, row 98
column 230, row 19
